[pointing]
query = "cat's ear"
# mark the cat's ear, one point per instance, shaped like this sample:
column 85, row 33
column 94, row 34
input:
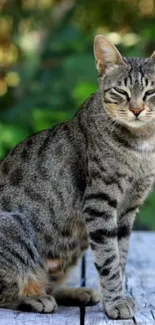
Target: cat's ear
column 105, row 54
column 152, row 57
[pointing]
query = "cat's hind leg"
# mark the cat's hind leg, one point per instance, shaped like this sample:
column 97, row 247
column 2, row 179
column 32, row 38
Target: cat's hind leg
column 23, row 274
column 76, row 296
column 41, row 304
column 28, row 297
column 33, row 296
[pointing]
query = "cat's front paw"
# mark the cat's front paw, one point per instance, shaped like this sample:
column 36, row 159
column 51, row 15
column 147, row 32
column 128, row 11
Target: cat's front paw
column 121, row 309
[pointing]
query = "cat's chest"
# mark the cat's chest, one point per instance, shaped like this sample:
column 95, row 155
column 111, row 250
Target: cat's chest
column 139, row 180
column 136, row 163
column 143, row 165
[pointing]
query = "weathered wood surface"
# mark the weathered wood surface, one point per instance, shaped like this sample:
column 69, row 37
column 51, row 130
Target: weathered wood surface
column 63, row 316
column 140, row 282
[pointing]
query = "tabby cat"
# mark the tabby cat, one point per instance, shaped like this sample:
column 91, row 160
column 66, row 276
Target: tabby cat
column 76, row 184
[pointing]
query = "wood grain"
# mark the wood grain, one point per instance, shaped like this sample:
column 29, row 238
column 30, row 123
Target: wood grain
column 140, row 280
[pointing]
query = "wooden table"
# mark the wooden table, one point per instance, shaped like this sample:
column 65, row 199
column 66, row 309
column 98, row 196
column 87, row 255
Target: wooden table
column 140, row 283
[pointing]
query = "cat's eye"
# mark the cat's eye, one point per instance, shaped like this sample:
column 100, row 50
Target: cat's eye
column 123, row 92
column 149, row 92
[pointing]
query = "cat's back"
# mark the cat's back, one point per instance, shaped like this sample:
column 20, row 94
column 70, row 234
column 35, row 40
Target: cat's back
column 47, row 162
column 43, row 148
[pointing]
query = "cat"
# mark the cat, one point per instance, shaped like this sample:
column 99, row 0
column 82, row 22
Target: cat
column 77, row 184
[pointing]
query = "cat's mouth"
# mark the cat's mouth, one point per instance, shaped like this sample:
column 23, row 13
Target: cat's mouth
column 136, row 122
column 130, row 119
column 140, row 120
column 125, row 115
column 139, row 116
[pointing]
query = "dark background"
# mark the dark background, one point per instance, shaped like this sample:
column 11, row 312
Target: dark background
column 47, row 67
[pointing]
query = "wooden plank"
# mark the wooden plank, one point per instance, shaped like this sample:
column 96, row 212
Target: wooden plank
column 140, row 282
column 141, row 251
column 63, row 316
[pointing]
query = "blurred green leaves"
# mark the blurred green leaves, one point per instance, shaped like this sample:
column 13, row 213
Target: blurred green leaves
column 9, row 137
column 82, row 90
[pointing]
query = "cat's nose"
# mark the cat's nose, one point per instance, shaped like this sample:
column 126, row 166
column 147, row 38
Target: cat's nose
column 136, row 110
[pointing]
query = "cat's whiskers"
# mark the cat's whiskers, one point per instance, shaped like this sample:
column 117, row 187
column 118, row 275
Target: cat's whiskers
column 110, row 124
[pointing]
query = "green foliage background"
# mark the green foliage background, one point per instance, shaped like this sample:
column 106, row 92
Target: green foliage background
column 47, row 66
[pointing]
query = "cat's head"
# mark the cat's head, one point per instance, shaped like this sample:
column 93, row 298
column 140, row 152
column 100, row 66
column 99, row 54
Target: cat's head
column 127, row 84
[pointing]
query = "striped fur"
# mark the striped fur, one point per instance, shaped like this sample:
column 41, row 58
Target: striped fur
column 76, row 184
